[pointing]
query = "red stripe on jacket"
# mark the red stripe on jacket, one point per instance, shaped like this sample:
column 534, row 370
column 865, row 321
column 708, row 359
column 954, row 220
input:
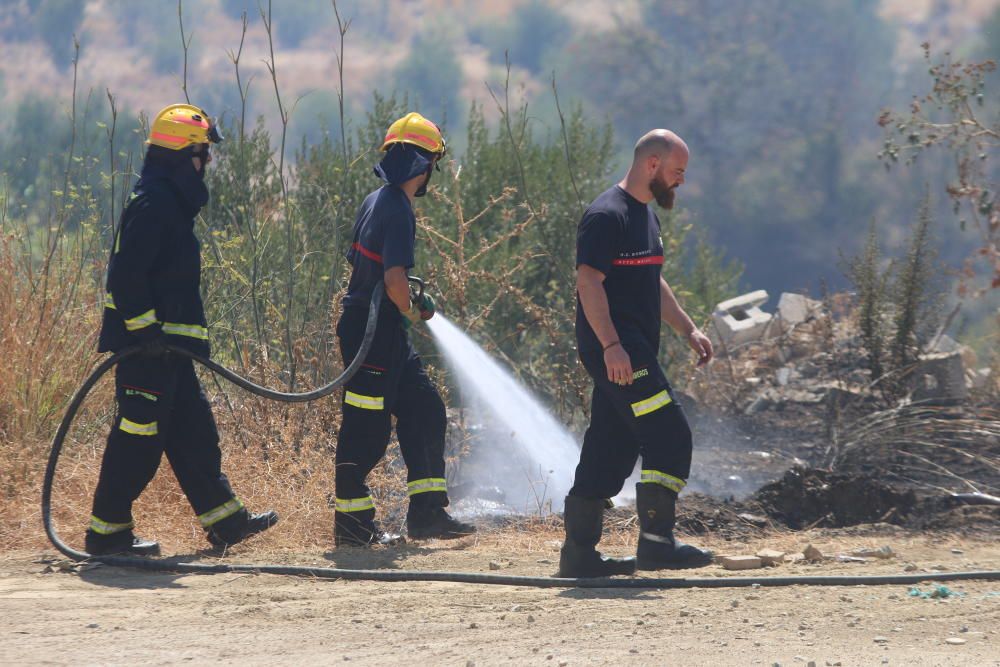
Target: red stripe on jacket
column 375, row 257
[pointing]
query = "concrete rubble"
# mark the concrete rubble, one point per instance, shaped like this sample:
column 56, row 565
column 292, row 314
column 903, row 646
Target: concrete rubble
column 771, row 557
column 806, row 356
column 741, row 562
column 740, row 320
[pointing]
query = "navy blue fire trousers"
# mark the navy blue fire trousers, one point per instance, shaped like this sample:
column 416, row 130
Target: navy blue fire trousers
column 628, row 421
column 391, row 383
column 161, row 409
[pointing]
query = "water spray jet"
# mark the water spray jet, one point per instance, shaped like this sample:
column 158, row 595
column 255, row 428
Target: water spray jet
column 521, row 447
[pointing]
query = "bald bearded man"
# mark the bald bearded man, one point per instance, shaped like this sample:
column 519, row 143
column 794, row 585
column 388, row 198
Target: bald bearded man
column 622, row 298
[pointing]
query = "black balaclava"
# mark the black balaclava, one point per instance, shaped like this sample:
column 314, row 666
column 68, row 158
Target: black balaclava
column 403, row 162
column 177, row 168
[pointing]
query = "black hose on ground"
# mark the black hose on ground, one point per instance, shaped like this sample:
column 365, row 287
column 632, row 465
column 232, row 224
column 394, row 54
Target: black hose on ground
column 171, row 565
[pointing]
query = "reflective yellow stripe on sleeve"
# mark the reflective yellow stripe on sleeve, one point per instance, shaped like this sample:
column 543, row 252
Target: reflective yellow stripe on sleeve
column 675, row 484
column 226, row 509
column 353, row 504
column 109, row 301
column 142, row 321
column 138, row 429
column 651, row 404
column 104, row 528
column 425, row 485
column 364, row 402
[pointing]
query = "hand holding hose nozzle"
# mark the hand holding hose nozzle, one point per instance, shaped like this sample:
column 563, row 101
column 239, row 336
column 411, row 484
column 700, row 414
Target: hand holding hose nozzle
column 422, row 306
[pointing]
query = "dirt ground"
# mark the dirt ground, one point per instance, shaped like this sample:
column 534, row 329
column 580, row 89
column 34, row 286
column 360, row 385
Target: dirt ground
column 109, row 616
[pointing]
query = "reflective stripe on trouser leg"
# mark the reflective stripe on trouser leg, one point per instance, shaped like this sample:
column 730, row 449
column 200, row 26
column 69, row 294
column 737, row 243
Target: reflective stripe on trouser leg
column 675, row 484
column 136, row 428
column 364, row 402
column 354, row 504
column 426, row 485
column 225, row 510
column 651, row 404
column 105, row 528
column 189, row 330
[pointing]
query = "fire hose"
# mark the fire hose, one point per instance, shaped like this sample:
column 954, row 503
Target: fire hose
column 175, row 566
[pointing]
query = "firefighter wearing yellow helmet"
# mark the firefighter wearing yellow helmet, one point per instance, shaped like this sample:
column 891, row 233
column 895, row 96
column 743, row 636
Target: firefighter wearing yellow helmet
column 153, row 298
column 392, row 381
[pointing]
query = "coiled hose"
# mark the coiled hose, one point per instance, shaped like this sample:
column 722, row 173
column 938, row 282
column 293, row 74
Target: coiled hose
column 171, row 565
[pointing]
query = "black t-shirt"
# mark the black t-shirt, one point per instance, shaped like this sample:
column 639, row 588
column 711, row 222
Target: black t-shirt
column 620, row 237
column 384, row 232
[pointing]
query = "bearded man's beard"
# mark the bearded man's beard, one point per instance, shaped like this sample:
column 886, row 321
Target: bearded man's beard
column 663, row 193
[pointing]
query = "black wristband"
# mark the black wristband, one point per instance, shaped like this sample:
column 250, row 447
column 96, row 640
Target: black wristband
column 611, row 345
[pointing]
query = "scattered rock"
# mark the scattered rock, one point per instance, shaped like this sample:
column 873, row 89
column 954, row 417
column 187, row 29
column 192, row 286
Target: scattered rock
column 531, row 619
column 955, row 641
column 771, row 556
column 812, row 554
column 844, row 558
column 741, row 562
column 957, row 551
column 881, row 640
column 796, row 308
column 885, row 552
column 755, row 519
column 495, row 565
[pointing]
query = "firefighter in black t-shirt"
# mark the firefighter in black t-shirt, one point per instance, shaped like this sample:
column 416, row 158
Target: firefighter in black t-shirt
column 392, row 380
column 622, row 298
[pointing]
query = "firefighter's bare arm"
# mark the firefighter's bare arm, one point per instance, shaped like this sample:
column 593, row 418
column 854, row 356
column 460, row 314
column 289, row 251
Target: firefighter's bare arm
column 590, row 286
column 672, row 313
column 397, row 286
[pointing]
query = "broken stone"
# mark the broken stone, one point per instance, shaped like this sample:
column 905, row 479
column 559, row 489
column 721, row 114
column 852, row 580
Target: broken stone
column 954, row 641
column 844, row 558
column 771, row 556
column 741, row 562
column 812, row 554
column 979, row 379
column 885, row 552
column 796, row 308
column 881, row 640
column 794, row 558
column 939, row 379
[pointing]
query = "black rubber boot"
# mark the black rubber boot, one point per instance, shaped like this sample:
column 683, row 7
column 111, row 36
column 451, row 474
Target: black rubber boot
column 578, row 558
column 124, row 542
column 658, row 549
column 238, row 527
column 359, row 529
column 433, row 522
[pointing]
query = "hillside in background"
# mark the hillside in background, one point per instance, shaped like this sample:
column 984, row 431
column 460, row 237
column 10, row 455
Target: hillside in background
column 778, row 99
